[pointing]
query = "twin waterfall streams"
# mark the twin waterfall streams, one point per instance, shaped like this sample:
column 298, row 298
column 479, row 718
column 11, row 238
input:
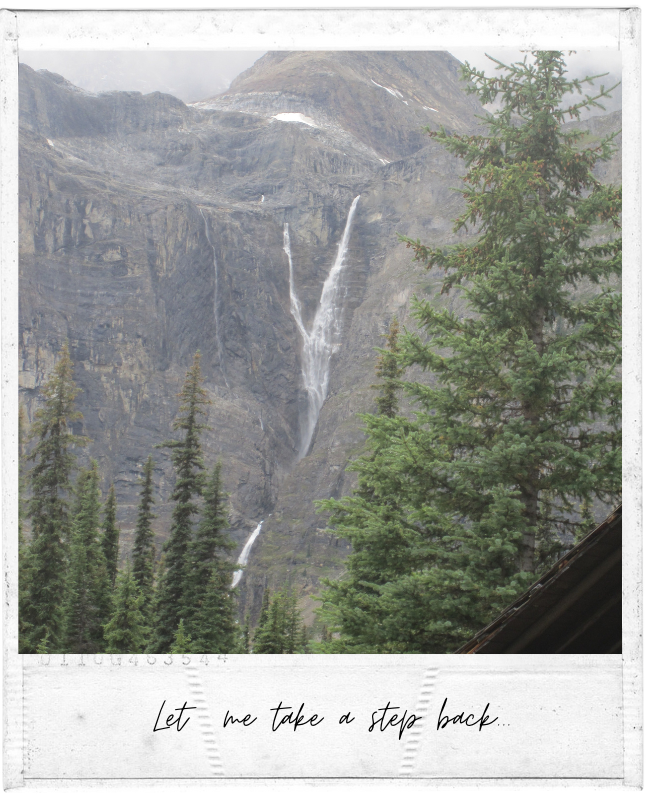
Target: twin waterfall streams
column 324, row 338
column 319, row 343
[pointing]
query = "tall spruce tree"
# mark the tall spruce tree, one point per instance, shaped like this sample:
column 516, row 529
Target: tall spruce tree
column 144, row 549
column 127, row 630
column 390, row 371
column 49, row 482
column 466, row 498
column 190, row 477
column 209, row 610
column 531, row 395
column 87, row 593
column 111, row 536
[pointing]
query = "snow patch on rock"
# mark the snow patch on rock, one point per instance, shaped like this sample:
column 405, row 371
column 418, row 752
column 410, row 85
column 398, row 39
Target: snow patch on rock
column 296, row 117
column 394, row 92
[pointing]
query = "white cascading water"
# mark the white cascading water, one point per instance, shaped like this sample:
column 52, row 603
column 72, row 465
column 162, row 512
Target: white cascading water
column 245, row 553
column 216, row 295
column 324, row 338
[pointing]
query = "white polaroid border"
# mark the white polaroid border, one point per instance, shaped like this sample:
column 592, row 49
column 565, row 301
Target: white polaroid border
column 89, row 720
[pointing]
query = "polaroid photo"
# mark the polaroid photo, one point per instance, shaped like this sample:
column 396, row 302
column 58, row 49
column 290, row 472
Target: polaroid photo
column 320, row 458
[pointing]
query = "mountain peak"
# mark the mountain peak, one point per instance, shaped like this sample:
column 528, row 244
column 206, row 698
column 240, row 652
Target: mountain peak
column 384, row 99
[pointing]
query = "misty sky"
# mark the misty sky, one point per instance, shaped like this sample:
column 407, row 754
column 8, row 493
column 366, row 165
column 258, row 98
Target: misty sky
column 196, row 75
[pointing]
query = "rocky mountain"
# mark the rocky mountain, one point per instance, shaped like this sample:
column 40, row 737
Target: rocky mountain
column 259, row 227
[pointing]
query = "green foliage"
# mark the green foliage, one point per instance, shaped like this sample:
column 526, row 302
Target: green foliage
column 111, row 536
column 214, row 625
column 144, row 550
column 87, row 591
column 209, row 605
column 188, row 463
column 181, row 643
column 461, row 504
column 263, row 618
column 23, row 549
column 279, row 628
column 390, row 371
column 246, row 634
column 75, row 559
column 126, row 631
column 529, row 399
column 303, row 645
column 49, row 481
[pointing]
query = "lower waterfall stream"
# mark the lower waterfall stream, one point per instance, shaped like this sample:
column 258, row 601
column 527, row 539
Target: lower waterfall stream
column 245, row 553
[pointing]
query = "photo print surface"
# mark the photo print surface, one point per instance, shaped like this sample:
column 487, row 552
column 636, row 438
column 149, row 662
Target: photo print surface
column 319, row 362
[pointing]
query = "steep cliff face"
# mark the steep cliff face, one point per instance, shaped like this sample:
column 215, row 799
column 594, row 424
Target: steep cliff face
column 150, row 229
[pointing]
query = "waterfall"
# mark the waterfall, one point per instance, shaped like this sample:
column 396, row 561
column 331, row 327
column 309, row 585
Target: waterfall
column 324, row 338
column 243, row 558
column 215, row 307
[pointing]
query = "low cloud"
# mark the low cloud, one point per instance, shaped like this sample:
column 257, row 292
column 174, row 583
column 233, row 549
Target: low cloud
column 197, row 75
column 190, row 76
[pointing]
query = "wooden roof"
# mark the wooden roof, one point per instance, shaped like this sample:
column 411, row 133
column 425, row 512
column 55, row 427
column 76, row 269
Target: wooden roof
column 575, row 607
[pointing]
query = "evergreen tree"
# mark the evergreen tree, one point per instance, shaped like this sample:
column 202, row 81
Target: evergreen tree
column 376, row 522
column 239, row 645
column 87, row 591
column 23, row 593
column 159, row 571
column 126, row 631
column 188, row 463
column 390, row 370
column 144, row 550
column 181, row 642
column 246, row 634
column 48, row 509
column 461, row 504
column 209, row 609
column 271, row 634
column 293, row 623
column 214, row 626
column 23, row 549
column 280, row 626
column 111, row 536
column 264, row 614
column 534, row 376
column 387, row 547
